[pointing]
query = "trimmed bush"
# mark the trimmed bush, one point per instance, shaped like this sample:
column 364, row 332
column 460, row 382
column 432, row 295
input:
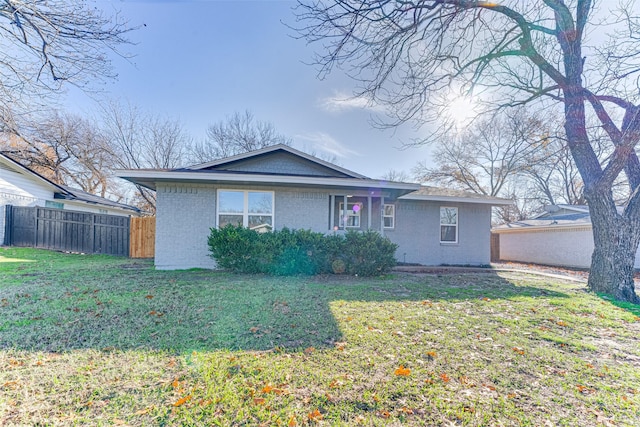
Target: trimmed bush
column 301, row 252
column 368, row 253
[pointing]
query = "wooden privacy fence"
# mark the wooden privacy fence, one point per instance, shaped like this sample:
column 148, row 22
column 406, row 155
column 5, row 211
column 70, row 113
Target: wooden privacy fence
column 142, row 237
column 495, row 247
column 67, row 230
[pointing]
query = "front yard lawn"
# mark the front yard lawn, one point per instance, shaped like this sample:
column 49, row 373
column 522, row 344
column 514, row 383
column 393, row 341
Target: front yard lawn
column 97, row 340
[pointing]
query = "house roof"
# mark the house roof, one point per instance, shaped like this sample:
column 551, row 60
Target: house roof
column 236, row 170
column 63, row 191
column 277, row 165
column 561, row 209
column 83, row 196
column 450, row 195
column 554, row 217
column 227, row 161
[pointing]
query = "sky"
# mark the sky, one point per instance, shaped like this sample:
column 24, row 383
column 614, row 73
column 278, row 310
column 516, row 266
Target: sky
column 201, row 61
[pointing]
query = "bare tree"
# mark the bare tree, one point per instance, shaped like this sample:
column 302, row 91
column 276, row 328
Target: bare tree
column 487, row 155
column 46, row 44
column 239, row 133
column 408, row 54
column 397, row 176
column 65, row 148
column 136, row 140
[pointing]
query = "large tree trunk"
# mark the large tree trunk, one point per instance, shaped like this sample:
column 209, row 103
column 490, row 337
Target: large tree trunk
column 616, row 238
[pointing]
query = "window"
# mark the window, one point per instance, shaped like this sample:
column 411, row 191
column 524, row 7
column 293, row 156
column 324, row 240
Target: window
column 389, row 216
column 352, row 217
column 252, row 209
column 448, row 225
column 53, row 205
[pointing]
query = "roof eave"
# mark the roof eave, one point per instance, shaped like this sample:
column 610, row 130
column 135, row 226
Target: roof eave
column 458, row 199
column 150, row 179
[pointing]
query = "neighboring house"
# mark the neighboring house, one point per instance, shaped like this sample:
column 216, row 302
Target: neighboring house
column 279, row 186
column 562, row 235
column 20, row 186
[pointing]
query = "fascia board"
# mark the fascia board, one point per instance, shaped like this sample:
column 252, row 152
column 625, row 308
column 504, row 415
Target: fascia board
column 487, row 201
column 203, row 177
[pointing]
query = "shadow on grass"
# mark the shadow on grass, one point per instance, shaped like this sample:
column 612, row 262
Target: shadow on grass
column 631, row 308
column 109, row 303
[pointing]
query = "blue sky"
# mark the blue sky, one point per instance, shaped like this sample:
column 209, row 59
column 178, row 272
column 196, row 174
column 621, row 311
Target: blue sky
column 201, row 61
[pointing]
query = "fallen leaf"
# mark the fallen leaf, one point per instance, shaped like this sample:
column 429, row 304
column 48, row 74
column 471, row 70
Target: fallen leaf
column 335, row 384
column 292, row 421
column 258, row 401
column 143, row 411
column 315, row 416
column 149, row 296
column 182, row 401
column 402, row 371
column 444, row 377
column 309, row 350
column 518, row 350
column 383, row 414
column 431, row 354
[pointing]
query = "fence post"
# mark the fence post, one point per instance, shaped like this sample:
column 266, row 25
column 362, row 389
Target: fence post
column 8, row 222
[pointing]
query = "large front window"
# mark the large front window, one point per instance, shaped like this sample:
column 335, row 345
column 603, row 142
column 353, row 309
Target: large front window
column 448, row 225
column 252, row 209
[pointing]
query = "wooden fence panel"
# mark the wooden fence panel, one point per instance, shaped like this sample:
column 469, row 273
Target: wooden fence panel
column 67, row 230
column 495, row 247
column 143, row 237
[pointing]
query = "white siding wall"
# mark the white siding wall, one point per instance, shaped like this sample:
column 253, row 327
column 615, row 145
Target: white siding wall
column 19, row 190
column 568, row 247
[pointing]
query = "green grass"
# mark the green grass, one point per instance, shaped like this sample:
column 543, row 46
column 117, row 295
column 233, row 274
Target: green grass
column 97, row 340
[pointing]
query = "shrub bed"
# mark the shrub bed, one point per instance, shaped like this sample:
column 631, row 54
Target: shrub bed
column 288, row 252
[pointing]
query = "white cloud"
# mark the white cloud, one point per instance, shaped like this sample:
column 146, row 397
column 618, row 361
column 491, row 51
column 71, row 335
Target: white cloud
column 341, row 102
column 325, row 143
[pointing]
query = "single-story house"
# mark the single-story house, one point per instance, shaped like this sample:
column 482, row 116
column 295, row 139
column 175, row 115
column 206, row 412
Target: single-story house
column 21, row 186
column 279, row 186
column 561, row 235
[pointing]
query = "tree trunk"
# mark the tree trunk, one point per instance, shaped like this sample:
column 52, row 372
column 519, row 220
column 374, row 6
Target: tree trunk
column 616, row 238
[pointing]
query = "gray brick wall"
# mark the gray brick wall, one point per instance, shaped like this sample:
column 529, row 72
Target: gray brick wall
column 185, row 213
column 302, row 209
column 417, row 233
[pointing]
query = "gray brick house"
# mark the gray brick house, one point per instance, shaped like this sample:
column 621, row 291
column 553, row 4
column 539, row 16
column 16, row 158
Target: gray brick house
column 279, row 186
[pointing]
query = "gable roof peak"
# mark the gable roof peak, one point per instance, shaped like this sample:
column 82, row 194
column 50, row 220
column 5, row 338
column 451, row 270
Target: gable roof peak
column 271, row 149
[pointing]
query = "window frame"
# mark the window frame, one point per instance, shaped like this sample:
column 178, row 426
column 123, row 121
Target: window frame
column 341, row 222
column 392, row 216
column 245, row 206
column 456, row 225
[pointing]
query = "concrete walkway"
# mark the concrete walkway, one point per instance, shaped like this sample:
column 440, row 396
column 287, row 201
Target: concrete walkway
column 579, row 276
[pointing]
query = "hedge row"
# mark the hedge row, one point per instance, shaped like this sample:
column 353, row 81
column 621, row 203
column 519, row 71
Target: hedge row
column 301, row 252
